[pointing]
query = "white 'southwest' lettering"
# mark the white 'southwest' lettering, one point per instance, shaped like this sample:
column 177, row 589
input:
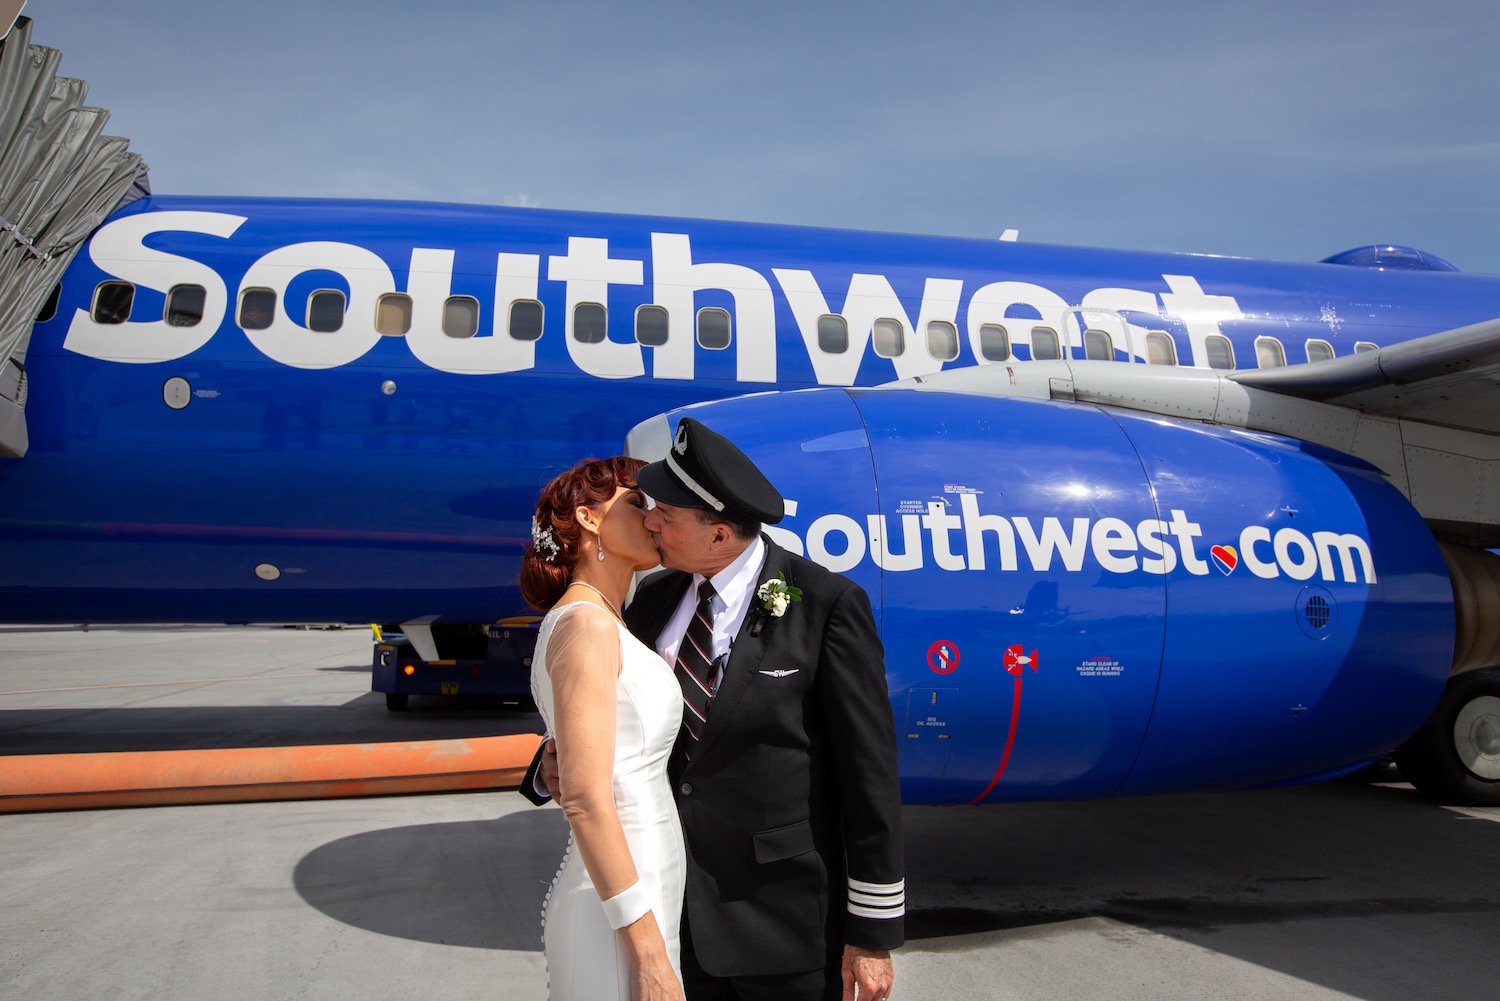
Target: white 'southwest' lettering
column 119, row 249
column 1200, row 312
column 430, row 282
column 676, row 278
column 970, row 538
column 290, row 343
column 992, row 304
column 587, row 272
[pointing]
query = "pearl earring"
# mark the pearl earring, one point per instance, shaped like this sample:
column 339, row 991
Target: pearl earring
column 601, row 547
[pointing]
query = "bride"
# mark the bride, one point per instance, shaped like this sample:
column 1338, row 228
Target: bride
column 614, row 708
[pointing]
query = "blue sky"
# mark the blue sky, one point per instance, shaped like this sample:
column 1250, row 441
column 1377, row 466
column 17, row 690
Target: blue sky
column 1289, row 130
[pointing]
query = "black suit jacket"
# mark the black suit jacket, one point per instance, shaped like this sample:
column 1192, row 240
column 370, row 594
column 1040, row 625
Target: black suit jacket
column 792, row 790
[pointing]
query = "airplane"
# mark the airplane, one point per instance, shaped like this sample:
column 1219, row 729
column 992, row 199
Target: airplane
column 1131, row 522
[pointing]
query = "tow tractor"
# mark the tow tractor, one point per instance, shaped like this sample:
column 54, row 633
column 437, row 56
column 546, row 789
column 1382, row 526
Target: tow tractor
column 451, row 660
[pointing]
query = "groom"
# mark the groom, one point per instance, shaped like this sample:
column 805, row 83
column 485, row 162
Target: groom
column 785, row 768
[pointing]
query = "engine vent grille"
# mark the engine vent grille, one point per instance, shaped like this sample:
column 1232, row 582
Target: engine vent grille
column 1317, row 612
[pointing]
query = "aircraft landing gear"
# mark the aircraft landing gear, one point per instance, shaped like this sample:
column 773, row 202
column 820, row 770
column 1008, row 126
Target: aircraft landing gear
column 1455, row 757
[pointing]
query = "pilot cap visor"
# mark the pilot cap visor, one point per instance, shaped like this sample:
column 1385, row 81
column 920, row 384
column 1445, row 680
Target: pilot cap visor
column 705, row 470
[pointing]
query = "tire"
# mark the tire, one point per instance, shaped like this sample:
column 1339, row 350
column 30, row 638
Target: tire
column 396, row 701
column 1455, row 757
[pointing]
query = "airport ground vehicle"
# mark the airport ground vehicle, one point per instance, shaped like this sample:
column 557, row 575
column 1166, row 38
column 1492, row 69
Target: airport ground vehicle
column 493, row 661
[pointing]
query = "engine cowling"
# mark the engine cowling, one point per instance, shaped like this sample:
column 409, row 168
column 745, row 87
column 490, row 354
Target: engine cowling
column 1078, row 602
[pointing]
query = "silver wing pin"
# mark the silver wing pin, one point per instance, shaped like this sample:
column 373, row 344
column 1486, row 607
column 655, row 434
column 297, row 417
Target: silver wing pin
column 780, row 674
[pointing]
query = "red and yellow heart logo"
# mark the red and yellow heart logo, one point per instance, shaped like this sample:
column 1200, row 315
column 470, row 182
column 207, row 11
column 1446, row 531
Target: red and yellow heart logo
column 1225, row 558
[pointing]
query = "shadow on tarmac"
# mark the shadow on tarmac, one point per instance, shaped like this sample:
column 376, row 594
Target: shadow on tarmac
column 1352, row 886
column 1368, row 890
column 480, row 885
column 361, row 720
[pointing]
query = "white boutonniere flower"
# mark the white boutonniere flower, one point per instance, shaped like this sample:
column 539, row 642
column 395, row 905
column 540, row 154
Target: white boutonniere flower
column 776, row 595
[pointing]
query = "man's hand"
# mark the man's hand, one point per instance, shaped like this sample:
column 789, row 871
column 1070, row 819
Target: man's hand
column 867, row 974
column 548, row 770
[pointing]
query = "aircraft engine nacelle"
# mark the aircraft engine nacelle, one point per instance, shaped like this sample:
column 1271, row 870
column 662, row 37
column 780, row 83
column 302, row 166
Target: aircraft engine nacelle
column 1077, row 602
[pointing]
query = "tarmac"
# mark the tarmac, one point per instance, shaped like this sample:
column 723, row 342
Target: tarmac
column 1346, row 890
column 127, row 761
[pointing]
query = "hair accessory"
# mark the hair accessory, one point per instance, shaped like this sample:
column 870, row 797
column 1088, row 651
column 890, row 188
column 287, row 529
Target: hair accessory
column 544, row 541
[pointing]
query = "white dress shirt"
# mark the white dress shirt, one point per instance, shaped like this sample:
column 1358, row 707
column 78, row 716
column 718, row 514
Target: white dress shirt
column 735, row 591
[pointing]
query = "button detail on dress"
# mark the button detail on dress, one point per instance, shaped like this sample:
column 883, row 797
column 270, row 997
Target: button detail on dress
column 686, row 788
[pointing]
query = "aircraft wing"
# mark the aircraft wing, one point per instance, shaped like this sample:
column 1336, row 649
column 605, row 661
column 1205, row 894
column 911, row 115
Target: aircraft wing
column 1451, row 379
column 1425, row 412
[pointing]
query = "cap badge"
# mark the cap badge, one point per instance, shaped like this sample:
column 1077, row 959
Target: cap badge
column 680, row 445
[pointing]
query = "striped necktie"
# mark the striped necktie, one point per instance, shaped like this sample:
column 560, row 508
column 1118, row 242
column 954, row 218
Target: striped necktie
column 695, row 671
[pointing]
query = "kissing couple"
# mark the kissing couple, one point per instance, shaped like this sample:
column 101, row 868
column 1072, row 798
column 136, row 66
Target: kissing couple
column 724, row 748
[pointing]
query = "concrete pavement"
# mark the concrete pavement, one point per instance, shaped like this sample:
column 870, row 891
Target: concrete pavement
column 1341, row 891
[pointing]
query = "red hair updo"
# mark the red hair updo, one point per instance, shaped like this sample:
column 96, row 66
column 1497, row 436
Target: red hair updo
column 545, row 574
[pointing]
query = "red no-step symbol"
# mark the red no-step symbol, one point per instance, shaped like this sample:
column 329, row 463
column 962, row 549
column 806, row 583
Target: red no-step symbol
column 942, row 656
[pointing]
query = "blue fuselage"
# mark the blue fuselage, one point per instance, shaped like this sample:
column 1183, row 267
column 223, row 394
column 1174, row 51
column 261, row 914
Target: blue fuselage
column 371, row 447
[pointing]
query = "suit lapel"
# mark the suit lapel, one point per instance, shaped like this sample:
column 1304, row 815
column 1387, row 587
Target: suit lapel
column 746, row 656
column 646, row 619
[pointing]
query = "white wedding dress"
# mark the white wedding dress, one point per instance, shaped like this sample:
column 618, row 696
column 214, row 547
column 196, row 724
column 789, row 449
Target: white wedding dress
column 586, row 960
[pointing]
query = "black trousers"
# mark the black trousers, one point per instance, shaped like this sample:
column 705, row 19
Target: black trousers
column 812, row 985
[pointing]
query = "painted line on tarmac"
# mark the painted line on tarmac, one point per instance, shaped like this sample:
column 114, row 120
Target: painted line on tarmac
column 46, row 782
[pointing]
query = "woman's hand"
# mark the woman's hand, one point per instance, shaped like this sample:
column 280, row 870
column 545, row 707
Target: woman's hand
column 655, row 980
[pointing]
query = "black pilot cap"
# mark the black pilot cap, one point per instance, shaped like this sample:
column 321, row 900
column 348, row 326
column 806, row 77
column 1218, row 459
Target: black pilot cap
column 704, row 469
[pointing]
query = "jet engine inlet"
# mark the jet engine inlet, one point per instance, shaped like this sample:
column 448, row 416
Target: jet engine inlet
column 1475, row 576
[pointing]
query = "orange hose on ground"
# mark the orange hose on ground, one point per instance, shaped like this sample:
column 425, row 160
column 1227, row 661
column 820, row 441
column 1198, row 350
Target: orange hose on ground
column 36, row 782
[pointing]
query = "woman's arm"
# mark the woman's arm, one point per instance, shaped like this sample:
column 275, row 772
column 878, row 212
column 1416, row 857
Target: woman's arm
column 583, row 661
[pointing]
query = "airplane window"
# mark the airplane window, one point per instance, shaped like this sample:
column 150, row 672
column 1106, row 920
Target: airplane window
column 112, row 302
column 590, row 323
column 889, row 337
column 257, row 308
column 1220, row 351
column 461, row 316
column 49, row 308
column 1044, row 344
column 1360, row 347
column 1098, row 345
column 651, row 326
column 325, row 311
column 526, row 320
column 994, row 342
column 393, row 314
column 1160, row 348
column 185, row 305
column 942, row 340
column 714, row 328
column 1269, row 353
column 833, row 334
column 1319, row 350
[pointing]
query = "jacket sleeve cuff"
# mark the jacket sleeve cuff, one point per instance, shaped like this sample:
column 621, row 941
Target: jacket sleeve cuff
column 880, row 901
